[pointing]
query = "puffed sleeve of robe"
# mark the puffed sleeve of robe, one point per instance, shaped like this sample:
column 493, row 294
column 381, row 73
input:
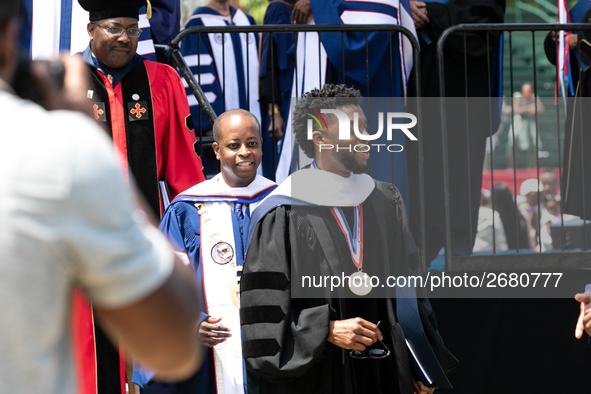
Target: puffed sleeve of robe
column 282, row 337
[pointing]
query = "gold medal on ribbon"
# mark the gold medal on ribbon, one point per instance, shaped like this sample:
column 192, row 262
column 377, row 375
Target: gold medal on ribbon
column 360, row 283
column 235, row 295
column 235, row 290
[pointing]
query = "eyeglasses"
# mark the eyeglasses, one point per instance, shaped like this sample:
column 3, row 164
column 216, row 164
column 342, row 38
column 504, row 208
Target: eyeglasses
column 376, row 354
column 117, row 31
column 373, row 353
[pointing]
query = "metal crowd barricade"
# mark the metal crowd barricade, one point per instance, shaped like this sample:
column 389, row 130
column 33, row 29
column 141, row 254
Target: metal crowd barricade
column 518, row 260
column 178, row 61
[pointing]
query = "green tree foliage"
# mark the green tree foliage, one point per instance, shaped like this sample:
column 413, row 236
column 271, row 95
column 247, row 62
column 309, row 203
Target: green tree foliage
column 256, row 8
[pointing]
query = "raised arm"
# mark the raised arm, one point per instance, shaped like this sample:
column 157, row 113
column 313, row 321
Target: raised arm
column 159, row 330
column 142, row 294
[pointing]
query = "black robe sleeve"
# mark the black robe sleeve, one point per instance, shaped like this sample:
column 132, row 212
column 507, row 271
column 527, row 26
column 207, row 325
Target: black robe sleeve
column 455, row 12
column 550, row 49
column 282, row 337
column 270, row 90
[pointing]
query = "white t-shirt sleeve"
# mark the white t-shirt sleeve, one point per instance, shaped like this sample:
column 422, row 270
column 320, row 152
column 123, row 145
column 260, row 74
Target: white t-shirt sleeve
column 119, row 257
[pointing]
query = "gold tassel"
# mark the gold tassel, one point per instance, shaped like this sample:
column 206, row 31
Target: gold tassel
column 148, row 10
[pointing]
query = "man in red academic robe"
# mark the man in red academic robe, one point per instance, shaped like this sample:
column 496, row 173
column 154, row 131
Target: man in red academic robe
column 144, row 108
column 142, row 104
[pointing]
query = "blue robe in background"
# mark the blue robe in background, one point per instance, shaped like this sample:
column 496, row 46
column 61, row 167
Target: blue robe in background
column 276, row 73
column 166, row 20
column 232, row 65
column 279, row 13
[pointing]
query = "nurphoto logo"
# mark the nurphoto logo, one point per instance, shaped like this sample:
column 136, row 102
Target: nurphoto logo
column 345, row 129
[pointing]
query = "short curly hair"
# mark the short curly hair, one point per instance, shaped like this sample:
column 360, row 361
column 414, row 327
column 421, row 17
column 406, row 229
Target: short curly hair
column 329, row 97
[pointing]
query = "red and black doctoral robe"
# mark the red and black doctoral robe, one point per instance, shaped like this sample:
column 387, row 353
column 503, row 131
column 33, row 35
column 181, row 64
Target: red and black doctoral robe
column 148, row 118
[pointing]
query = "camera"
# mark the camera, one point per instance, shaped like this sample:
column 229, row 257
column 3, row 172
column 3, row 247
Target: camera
column 24, row 84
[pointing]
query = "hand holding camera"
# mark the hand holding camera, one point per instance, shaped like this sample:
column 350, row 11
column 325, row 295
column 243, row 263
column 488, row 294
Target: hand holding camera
column 56, row 85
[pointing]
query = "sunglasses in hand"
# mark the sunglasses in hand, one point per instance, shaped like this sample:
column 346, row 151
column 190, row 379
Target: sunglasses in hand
column 376, row 354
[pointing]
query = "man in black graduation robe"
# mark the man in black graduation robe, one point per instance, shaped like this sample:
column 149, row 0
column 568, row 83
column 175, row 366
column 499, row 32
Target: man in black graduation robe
column 576, row 178
column 471, row 70
column 299, row 344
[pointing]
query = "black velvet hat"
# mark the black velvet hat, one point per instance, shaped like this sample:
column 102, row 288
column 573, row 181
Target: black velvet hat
column 105, row 9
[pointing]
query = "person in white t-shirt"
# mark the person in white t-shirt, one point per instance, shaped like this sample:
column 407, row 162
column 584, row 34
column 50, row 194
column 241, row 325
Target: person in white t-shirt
column 68, row 219
column 489, row 222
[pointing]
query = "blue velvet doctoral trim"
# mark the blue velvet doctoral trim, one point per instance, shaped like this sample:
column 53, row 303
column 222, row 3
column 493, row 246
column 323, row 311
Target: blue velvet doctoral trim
column 117, row 73
column 216, row 198
column 26, row 29
column 66, row 25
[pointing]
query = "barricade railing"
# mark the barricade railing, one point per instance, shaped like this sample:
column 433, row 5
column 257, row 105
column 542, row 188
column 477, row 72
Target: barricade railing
column 519, row 259
column 177, row 60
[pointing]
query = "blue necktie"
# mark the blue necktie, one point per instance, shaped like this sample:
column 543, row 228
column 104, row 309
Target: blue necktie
column 238, row 212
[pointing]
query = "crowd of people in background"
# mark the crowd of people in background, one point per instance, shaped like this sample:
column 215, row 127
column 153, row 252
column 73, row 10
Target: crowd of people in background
column 524, row 221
